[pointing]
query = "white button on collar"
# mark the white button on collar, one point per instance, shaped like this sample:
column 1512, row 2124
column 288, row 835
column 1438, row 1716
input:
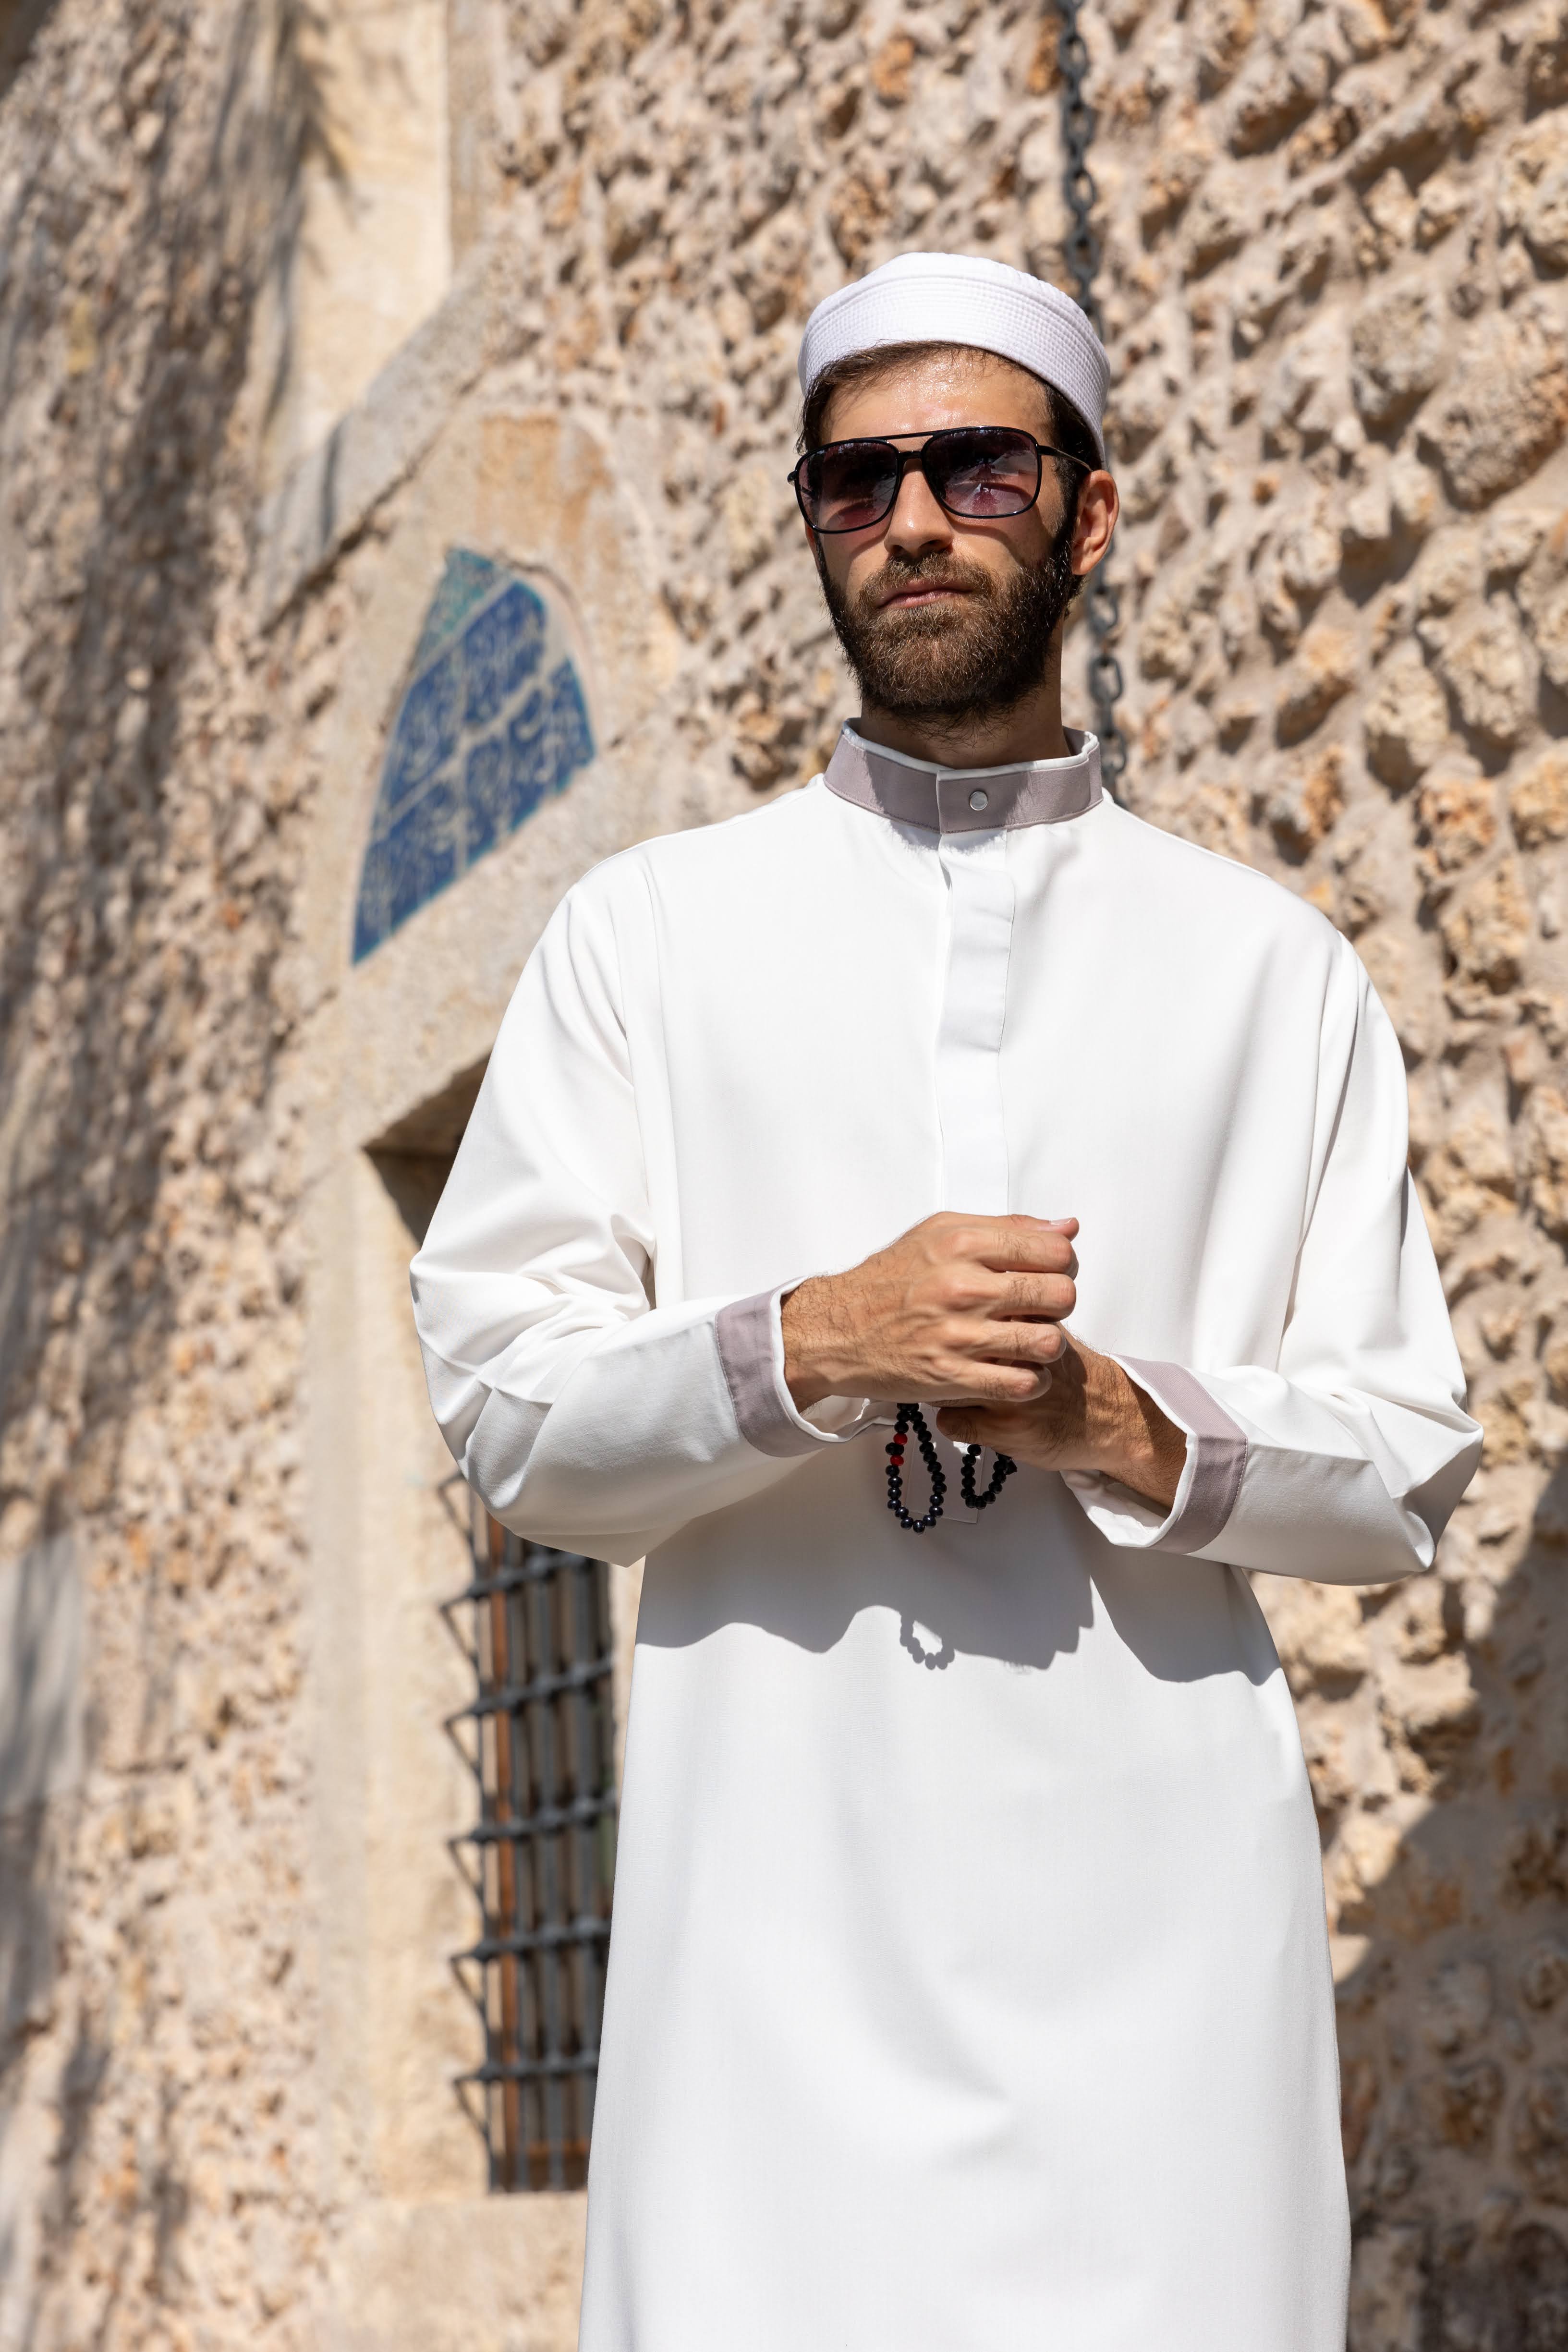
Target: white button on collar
column 979, row 800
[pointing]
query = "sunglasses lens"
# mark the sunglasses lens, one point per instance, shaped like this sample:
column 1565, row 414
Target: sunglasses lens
column 988, row 471
column 849, row 488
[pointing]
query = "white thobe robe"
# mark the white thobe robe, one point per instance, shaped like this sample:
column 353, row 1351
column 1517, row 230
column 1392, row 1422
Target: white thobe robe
column 969, row 1984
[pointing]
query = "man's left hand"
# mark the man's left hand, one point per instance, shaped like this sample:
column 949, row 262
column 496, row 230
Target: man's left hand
column 1093, row 1417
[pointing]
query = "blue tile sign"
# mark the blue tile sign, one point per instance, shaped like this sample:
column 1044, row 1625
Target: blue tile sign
column 492, row 723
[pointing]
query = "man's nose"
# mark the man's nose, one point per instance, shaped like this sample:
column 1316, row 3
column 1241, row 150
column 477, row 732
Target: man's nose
column 917, row 520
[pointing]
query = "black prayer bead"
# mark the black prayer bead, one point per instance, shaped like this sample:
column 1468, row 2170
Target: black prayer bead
column 910, row 1417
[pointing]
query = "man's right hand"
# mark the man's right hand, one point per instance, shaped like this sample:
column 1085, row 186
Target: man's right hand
column 960, row 1309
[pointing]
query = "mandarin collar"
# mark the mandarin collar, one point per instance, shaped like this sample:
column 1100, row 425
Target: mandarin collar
column 965, row 799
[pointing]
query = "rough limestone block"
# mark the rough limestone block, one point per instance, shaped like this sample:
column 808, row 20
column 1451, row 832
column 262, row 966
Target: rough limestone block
column 1488, row 671
column 1459, row 815
column 1532, row 195
column 1538, row 800
column 1504, row 410
column 1398, row 346
column 1489, row 930
column 1405, row 720
column 1324, row 671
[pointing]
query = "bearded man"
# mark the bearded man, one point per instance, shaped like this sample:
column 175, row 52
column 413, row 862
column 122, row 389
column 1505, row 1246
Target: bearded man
column 970, row 1984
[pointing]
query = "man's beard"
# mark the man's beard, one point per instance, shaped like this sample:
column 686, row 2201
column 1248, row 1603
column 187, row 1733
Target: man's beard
column 978, row 657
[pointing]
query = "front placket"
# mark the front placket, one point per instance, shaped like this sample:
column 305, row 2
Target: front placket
column 980, row 902
column 980, row 897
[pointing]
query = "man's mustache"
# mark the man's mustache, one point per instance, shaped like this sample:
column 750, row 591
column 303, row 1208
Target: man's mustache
column 897, row 575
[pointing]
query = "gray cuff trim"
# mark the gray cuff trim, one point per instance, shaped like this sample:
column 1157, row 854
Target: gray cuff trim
column 744, row 1330
column 1220, row 1452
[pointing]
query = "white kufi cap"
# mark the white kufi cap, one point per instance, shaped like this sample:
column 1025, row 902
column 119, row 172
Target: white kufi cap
column 958, row 297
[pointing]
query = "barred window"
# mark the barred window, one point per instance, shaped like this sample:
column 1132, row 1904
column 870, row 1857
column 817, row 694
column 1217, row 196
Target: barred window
column 540, row 1739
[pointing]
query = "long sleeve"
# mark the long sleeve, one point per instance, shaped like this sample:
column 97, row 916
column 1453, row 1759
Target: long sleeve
column 580, row 1412
column 1342, row 1459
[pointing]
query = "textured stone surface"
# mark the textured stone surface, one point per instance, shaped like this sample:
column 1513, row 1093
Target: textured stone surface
column 1397, row 351
column 1331, row 240
column 1405, row 724
column 1538, row 801
column 1505, row 406
column 1533, row 197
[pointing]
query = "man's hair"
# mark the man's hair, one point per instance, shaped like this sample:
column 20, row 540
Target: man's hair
column 1065, row 427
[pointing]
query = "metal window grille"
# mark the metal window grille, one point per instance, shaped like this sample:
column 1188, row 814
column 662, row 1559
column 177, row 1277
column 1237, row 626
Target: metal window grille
column 540, row 1739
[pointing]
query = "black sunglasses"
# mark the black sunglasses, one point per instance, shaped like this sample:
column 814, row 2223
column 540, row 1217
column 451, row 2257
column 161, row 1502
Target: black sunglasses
column 976, row 472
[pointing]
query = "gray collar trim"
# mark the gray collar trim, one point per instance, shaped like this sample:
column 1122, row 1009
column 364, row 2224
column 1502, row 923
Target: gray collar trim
column 965, row 799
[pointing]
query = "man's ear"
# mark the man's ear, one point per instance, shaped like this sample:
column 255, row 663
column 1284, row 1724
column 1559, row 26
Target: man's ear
column 1099, row 506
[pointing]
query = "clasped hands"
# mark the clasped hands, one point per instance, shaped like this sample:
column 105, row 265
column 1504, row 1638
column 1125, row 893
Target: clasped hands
column 968, row 1313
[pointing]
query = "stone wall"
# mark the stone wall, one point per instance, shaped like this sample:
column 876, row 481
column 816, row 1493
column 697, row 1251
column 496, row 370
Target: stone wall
column 1343, row 392
column 158, row 2126
column 1332, row 245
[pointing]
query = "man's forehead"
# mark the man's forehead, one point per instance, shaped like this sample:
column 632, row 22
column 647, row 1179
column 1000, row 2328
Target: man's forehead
column 934, row 369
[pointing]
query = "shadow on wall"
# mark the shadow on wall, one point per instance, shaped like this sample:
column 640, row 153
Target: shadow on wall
column 40, row 1761
column 20, row 21
column 1454, row 2013
column 134, row 470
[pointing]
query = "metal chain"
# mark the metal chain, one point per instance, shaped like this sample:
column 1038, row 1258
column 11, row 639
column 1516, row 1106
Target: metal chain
column 1101, row 603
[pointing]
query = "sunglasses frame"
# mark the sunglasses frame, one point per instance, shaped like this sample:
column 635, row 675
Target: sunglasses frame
column 908, row 458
